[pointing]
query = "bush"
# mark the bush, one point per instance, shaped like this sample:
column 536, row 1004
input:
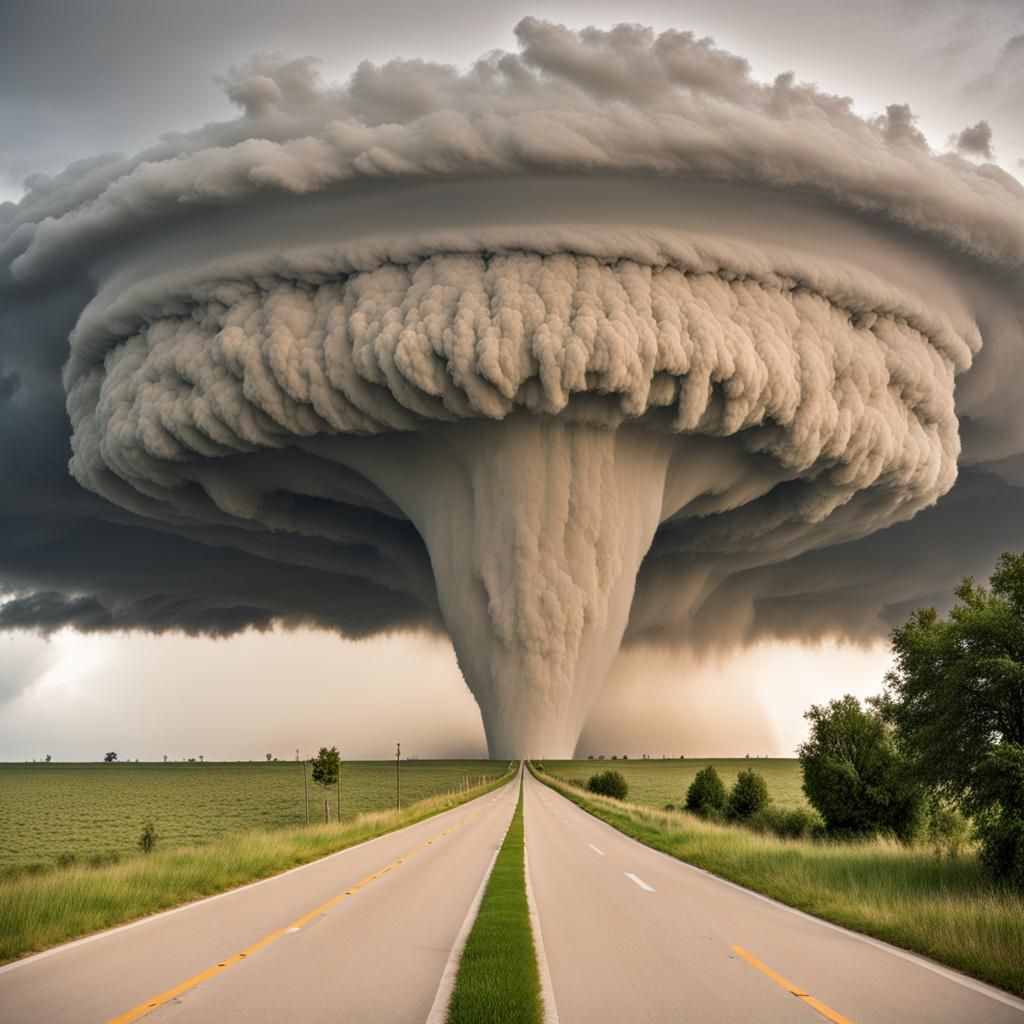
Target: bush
column 749, row 795
column 148, row 838
column 799, row 823
column 609, row 783
column 706, row 796
column 854, row 776
column 946, row 830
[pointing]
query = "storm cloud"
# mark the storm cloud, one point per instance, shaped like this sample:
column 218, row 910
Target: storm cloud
column 599, row 341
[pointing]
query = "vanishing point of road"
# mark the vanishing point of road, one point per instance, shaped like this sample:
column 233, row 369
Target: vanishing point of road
column 365, row 936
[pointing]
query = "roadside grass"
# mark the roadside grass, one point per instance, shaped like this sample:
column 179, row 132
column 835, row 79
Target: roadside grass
column 498, row 980
column 943, row 909
column 658, row 782
column 38, row 911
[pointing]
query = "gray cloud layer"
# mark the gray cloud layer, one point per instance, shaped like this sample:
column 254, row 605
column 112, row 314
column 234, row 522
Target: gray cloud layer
column 443, row 349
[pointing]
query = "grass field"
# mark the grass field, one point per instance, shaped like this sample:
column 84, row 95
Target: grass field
column 945, row 909
column 52, row 811
column 657, row 783
column 498, row 981
column 41, row 910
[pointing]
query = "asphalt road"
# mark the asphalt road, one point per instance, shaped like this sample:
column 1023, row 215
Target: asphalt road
column 373, row 957
column 633, row 936
column 364, row 936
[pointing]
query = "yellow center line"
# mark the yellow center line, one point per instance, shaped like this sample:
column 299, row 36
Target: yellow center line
column 836, row 1018
column 172, row 993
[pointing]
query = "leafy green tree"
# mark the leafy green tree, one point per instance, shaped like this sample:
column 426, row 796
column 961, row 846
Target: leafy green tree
column 609, row 783
column 110, row 756
column 748, row 796
column 854, row 776
column 956, row 699
column 706, row 796
column 326, row 770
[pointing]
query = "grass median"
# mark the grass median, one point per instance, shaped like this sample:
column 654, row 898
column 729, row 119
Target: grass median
column 498, row 980
column 944, row 909
column 40, row 911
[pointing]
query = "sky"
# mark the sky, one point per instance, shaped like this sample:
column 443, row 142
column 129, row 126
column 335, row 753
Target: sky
column 77, row 80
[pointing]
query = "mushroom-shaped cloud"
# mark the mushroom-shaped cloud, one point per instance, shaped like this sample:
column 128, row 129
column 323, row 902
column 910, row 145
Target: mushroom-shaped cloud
column 589, row 342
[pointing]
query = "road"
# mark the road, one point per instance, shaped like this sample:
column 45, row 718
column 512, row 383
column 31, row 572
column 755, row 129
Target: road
column 364, row 936
column 634, row 936
column 377, row 955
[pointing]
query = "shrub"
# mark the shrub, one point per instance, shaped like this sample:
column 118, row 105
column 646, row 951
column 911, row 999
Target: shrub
column 749, row 795
column 799, row 823
column 706, row 796
column 148, row 838
column 609, row 783
column 946, row 830
column 853, row 774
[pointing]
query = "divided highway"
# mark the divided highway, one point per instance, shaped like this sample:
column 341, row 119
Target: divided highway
column 364, row 936
column 632, row 935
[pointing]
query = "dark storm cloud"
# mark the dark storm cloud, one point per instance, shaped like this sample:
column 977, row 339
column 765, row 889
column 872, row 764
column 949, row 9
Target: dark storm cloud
column 976, row 140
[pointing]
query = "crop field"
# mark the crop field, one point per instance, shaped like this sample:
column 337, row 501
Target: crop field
column 51, row 813
column 660, row 782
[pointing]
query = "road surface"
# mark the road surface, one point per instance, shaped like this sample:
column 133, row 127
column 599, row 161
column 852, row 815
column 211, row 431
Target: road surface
column 363, row 937
column 374, row 956
column 634, row 936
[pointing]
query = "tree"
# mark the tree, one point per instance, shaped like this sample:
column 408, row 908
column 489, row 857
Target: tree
column 609, row 783
column 48, row 758
column 748, row 796
column 326, row 772
column 706, row 796
column 110, row 756
column 956, row 700
column 267, row 756
column 854, row 776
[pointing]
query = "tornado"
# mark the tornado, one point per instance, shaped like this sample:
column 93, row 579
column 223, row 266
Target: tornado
column 589, row 344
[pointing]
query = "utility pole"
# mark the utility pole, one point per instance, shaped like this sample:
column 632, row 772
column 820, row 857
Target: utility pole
column 398, row 777
column 305, row 788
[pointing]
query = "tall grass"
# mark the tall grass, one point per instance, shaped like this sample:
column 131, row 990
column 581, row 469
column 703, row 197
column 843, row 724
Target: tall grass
column 39, row 911
column 498, row 980
column 945, row 909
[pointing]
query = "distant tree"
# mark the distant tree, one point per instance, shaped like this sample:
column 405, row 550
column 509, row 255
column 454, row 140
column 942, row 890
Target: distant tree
column 326, row 769
column 268, row 757
column 148, row 838
column 706, row 796
column 48, row 758
column 200, row 757
column 110, row 756
column 165, row 759
column 854, row 775
column 609, row 783
column 748, row 796
column 956, row 700
column 590, row 757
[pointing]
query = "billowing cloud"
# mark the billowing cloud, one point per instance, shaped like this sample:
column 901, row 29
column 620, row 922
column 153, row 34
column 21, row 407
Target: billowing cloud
column 976, row 140
column 598, row 341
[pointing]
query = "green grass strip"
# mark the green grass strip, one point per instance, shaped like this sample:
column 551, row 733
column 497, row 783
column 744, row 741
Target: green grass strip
column 40, row 911
column 944, row 909
column 498, row 980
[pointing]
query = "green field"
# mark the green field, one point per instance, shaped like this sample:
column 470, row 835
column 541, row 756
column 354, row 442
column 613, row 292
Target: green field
column 657, row 783
column 52, row 811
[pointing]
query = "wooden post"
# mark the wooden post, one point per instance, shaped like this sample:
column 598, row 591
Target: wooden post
column 327, row 811
column 305, row 790
column 339, row 792
column 398, row 777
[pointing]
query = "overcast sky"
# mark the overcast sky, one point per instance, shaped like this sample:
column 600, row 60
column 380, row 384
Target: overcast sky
column 82, row 78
